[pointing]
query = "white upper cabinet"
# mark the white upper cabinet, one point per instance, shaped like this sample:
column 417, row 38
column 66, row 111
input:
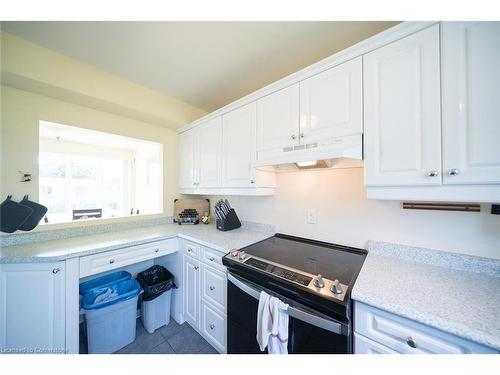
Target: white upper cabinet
column 209, row 153
column 187, row 159
column 200, row 155
column 238, row 129
column 331, row 103
column 471, row 102
column 402, row 112
column 278, row 119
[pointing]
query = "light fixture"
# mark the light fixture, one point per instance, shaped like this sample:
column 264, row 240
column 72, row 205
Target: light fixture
column 306, row 164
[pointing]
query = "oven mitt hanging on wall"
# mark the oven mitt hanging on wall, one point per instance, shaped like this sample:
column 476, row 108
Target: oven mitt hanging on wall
column 39, row 212
column 13, row 215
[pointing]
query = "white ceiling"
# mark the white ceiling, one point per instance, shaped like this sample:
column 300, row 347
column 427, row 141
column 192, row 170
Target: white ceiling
column 206, row 64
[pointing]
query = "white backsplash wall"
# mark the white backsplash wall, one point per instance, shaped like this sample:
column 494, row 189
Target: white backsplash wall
column 345, row 216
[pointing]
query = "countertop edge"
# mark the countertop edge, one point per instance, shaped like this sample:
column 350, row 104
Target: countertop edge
column 99, row 250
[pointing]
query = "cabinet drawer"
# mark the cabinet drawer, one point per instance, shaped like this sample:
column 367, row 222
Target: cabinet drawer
column 93, row 264
column 192, row 249
column 407, row 336
column 214, row 327
column 213, row 286
column 362, row 345
column 213, row 258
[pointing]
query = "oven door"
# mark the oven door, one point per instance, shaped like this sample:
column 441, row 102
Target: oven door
column 308, row 330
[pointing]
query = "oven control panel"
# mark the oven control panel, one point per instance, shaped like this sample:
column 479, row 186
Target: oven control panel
column 316, row 284
column 279, row 271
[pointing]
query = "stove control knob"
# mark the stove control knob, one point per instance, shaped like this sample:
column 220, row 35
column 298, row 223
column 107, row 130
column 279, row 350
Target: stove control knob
column 336, row 287
column 234, row 253
column 242, row 255
column 318, row 282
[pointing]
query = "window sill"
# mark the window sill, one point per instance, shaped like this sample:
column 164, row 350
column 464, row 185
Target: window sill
column 100, row 221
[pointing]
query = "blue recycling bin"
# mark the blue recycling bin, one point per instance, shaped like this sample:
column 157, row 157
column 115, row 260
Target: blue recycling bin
column 109, row 279
column 110, row 316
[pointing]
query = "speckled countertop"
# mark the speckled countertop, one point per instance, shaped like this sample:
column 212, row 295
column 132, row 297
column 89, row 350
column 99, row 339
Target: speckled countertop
column 454, row 293
column 60, row 249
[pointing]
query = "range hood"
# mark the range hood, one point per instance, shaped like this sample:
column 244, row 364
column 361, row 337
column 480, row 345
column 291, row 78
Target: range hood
column 344, row 152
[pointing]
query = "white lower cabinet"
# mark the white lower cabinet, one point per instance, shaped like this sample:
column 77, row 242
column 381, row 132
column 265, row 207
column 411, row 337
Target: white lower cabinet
column 32, row 308
column 213, row 326
column 213, row 287
column 192, row 291
column 204, row 293
column 378, row 331
column 363, row 345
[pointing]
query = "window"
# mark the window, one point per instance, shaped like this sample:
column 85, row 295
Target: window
column 86, row 174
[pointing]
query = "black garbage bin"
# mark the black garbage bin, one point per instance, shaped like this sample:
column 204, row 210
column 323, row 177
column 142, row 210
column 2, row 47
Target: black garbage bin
column 157, row 283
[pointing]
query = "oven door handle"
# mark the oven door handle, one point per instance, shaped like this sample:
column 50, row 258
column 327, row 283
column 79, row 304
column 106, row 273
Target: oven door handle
column 315, row 320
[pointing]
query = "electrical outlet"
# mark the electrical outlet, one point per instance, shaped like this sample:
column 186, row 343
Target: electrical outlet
column 311, row 216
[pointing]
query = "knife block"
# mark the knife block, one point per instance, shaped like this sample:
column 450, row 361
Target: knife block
column 229, row 223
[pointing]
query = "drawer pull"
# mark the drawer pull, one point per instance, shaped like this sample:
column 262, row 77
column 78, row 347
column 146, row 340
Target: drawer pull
column 212, row 259
column 411, row 343
column 111, row 261
column 56, row 270
column 196, row 267
column 212, row 326
column 157, row 250
column 212, row 287
column 190, row 250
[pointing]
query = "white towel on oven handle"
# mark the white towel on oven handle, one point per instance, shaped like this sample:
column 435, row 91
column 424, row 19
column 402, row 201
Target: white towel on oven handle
column 272, row 324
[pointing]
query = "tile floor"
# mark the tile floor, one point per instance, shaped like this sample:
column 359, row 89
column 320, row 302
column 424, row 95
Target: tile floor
column 171, row 339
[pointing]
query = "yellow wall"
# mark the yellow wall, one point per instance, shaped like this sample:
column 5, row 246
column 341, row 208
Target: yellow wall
column 30, row 67
column 21, row 112
column 40, row 84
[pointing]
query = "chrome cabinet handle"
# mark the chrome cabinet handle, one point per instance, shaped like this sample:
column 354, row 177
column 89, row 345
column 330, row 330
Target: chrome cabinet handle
column 196, row 267
column 212, row 259
column 111, row 261
column 212, row 287
column 411, row 343
column 212, row 326
column 252, row 181
column 56, row 270
column 432, row 173
column 302, row 135
column 454, row 172
column 294, row 136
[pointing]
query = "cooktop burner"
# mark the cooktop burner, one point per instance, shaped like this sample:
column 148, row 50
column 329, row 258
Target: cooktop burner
column 322, row 269
column 331, row 261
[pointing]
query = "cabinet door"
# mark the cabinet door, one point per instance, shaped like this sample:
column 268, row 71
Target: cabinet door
column 278, row 119
column 209, row 153
column 402, row 112
column 32, row 307
column 187, row 159
column 331, row 103
column 213, row 326
column 192, row 290
column 213, row 287
column 238, row 129
column 471, row 102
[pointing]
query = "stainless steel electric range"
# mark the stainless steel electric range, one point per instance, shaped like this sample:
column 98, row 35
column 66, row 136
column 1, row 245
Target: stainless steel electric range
column 314, row 278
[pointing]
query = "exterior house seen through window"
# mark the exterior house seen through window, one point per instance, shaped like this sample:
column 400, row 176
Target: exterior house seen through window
column 85, row 174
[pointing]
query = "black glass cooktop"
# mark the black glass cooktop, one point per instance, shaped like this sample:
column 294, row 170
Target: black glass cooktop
column 314, row 257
